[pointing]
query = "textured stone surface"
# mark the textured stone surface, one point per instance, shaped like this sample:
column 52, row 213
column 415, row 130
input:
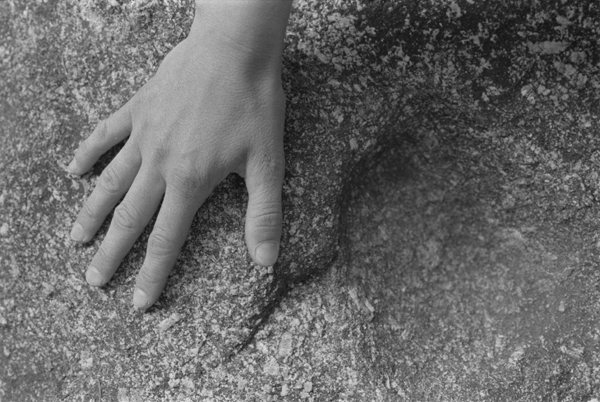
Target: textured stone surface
column 441, row 184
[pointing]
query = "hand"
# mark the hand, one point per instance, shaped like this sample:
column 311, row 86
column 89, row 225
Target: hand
column 205, row 114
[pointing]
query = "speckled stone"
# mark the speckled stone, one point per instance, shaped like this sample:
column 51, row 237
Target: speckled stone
column 441, row 202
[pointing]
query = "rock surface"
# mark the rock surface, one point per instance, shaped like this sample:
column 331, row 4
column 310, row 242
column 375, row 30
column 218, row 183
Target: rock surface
column 441, row 212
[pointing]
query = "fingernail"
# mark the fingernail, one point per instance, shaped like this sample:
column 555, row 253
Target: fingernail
column 93, row 277
column 140, row 300
column 266, row 253
column 72, row 168
column 77, row 232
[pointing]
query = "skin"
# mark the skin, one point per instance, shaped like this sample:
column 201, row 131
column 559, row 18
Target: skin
column 215, row 106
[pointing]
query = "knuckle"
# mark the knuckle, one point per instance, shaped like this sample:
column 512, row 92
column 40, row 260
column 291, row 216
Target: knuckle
column 159, row 154
column 126, row 217
column 83, row 149
column 186, row 184
column 149, row 276
column 271, row 166
column 87, row 212
column 161, row 245
column 102, row 129
column 97, row 137
column 274, row 163
column 267, row 217
column 109, row 180
column 102, row 257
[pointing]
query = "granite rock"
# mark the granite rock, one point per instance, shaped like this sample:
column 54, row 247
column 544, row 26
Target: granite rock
column 440, row 212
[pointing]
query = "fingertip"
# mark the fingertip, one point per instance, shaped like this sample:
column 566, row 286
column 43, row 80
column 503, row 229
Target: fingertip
column 263, row 231
column 94, row 277
column 140, row 299
column 78, row 233
column 74, row 168
column 266, row 253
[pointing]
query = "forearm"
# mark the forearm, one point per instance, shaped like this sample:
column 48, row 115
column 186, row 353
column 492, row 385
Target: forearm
column 251, row 32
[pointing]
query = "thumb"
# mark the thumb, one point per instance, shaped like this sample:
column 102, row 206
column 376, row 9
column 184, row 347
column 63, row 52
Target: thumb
column 264, row 182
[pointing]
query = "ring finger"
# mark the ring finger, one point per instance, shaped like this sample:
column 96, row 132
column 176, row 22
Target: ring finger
column 129, row 220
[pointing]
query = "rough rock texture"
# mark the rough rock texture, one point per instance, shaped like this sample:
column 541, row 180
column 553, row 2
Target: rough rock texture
column 441, row 212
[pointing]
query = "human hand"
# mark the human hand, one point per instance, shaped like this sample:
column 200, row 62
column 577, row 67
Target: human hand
column 210, row 110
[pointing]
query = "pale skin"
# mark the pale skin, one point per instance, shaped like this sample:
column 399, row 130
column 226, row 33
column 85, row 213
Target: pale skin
column 215, row 106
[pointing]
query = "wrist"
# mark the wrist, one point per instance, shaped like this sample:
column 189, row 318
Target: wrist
column 247, row 33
